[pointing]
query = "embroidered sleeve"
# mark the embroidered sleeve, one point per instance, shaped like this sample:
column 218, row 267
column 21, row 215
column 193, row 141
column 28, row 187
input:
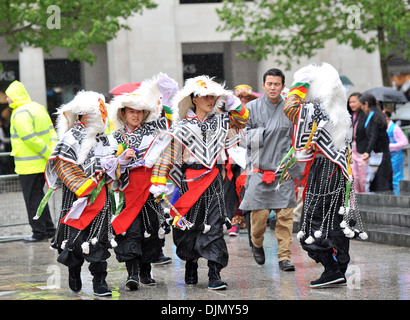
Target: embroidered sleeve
column 163, row 166
column 291, row 108
column 239, row 117
column 74, row 178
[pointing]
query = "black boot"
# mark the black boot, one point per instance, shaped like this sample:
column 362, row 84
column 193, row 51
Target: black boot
column 215, row 282
column 162, row 259
column 74, row 278
column 191, row 272
column 145, row 274
column 99, row 272
column 258, row 254
column 132, row 282
column 331, row 275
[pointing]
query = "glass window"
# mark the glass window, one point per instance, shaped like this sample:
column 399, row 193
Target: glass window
column 210, row 64
column 63, row 81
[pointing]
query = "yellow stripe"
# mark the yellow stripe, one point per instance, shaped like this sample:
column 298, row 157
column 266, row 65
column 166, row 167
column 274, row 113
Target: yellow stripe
column 84, row 187
column 298, row 92
column 314, row 127
column 159, row 180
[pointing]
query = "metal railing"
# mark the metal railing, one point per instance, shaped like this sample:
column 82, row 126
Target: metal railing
column 14, row 223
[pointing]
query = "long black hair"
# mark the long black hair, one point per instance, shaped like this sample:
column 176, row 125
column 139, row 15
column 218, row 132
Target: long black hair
column 354, row 94
column 378, row 116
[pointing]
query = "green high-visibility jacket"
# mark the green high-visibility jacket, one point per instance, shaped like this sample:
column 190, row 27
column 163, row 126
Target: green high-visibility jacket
column 32, row 132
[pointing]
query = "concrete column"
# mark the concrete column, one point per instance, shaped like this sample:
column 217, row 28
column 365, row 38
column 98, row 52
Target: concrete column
column 151, row 46
column 32, row 73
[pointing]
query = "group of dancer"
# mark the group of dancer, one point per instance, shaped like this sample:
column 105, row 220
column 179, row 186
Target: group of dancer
column 165, row 140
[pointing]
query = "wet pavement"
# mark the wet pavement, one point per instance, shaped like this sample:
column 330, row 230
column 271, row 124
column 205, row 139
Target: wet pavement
column 29, row 271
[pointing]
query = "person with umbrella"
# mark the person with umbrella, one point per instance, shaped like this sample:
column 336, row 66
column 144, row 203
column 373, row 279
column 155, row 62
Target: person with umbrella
column 377, row 155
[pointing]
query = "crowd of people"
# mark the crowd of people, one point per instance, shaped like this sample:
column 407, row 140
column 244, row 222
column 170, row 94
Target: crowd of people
column 378, row 161
column 201, row 162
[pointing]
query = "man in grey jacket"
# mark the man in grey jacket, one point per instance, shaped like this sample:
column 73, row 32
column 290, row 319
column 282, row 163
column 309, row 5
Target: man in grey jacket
column 269, row 138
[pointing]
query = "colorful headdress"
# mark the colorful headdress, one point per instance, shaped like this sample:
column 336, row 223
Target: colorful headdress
column 198, row 86
column 85, row 102
column 242, row 88
column 146, row 98
column 326, row 88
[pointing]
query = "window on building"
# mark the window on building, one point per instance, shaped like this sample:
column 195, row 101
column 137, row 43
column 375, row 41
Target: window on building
column 8, row 73
column 210, row 64
column 63, row 81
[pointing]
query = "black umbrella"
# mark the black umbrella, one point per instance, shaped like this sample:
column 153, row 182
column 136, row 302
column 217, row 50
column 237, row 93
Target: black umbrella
column 387, row 94
column 345, row 80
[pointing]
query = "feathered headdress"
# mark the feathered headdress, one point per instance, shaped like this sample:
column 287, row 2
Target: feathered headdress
column 327, row 88
column 198, row 86
column 85, row 102
column 146, row 98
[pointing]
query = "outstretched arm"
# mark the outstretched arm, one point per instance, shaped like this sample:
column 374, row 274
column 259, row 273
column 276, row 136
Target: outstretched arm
column 238, row 114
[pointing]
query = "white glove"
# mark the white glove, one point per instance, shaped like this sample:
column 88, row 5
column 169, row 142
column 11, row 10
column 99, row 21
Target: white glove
column 303, row 75
column 232, row 102
column 157, row 190
column 168, row 88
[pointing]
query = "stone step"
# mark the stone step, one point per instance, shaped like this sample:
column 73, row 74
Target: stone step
column 404, row 186
column 390, row 235
column 381, row 215
column 382, row 200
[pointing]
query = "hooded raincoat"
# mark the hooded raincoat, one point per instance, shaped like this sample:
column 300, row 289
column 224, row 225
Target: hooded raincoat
column 33, row 136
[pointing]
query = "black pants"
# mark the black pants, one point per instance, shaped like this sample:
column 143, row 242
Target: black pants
column 32, row 187
column 324, row 196
column 193, row 244
column 134, row 245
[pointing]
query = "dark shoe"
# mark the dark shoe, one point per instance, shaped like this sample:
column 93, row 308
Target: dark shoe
column 191, row 272
column 132, row 282
column 331, row 275
column 328, row 280
column 32, row 239
column 161, row 260
column 336, row 284
column 285, row 265
column 74, row 278
column 101, row 290
column 259, row 254
column 215, row 282
column 99, row 273
column 145, row 274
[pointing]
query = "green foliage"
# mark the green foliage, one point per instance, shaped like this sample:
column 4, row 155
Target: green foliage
column 296, row 28
column 74, row 25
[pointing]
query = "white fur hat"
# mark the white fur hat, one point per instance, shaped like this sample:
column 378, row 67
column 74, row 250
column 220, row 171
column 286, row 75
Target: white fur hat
column 85, row 102
column 327, row 88
column 198, row 86
column 146, row 98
